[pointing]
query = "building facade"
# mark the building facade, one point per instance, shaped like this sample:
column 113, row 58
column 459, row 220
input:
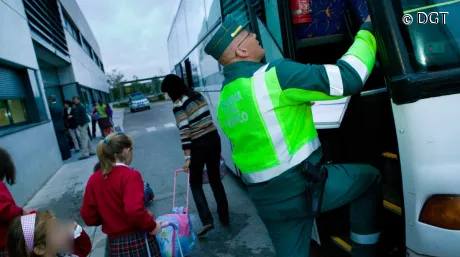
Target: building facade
column 46, row 48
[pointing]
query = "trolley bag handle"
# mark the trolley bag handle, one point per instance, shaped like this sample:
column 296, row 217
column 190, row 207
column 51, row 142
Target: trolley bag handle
column 176, row 230
column 188, row 188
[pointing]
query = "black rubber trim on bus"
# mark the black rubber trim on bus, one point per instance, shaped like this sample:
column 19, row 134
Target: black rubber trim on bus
column 413, row 87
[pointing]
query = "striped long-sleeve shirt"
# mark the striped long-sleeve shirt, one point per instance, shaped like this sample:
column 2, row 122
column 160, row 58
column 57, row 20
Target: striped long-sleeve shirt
column 193, row 119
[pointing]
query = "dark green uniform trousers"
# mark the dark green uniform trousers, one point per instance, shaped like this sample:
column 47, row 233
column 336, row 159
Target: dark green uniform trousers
column 283, row 207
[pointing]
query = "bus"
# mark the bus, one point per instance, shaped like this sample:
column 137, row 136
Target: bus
column 405, row 122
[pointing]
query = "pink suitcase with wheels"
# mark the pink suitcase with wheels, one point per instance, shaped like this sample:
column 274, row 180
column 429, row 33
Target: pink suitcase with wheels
column 176, row 239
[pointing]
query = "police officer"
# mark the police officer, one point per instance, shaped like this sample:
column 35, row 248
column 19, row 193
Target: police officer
column 265, row 111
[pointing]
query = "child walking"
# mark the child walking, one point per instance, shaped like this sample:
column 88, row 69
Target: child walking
column 114, row 198
column 8, row 208
column 40, row 234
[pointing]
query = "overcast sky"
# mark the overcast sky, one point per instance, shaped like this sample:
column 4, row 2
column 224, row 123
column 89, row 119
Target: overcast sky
column 132, row 34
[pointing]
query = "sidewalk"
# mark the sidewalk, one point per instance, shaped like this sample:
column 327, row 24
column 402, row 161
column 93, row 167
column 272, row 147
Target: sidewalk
column 63, row 193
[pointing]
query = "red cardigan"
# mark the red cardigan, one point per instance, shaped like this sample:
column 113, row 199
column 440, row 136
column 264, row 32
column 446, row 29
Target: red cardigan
column 8, row 211
column 117, row 203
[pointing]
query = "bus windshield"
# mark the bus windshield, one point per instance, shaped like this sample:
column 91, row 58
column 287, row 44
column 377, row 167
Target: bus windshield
column 432, row 34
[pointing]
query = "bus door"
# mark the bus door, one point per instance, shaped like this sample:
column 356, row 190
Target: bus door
column 422, row 65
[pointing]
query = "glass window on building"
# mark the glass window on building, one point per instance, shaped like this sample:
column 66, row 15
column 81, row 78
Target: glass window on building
column 87, row 48
column 72, row 29
column 12, row 112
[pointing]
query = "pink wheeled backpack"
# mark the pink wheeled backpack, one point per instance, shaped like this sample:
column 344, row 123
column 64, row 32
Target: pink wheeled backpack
column 177, row 239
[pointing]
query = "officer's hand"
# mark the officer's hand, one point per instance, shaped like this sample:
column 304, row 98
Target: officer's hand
column 368, row 19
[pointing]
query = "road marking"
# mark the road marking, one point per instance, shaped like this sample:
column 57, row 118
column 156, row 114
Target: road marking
column 151, row 129
column 169, row 125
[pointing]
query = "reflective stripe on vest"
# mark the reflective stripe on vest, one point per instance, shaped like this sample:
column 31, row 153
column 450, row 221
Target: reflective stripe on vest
column 270, row 139
column 266, row 109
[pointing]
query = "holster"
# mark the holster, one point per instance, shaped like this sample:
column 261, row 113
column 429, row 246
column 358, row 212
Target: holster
column 316, row 180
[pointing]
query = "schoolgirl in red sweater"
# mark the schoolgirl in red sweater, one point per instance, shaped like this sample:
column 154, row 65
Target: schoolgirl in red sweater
column 114, row 198
column 8, row 208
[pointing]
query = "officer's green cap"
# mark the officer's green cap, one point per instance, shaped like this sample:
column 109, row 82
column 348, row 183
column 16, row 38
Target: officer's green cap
column 228, row 30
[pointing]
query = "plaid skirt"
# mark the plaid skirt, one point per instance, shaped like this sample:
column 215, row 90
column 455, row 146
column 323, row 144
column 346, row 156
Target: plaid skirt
column 133, row 246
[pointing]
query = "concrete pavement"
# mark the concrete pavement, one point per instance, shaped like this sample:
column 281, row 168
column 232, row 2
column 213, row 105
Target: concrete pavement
column 63, row 193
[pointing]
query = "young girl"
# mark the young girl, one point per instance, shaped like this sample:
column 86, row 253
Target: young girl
column 114, row 197
column 40, row 234
column 8, row 208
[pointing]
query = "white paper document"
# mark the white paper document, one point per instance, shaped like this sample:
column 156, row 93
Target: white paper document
column 329, row 114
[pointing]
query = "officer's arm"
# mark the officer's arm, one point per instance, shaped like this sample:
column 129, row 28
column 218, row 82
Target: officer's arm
column 306, row 82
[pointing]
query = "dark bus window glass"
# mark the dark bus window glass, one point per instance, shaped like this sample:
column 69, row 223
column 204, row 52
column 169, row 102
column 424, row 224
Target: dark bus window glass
column 432, row 45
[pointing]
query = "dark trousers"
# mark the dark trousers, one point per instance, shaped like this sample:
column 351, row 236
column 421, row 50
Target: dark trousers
column 63, row 145
column 207, row 151
column 93, row 127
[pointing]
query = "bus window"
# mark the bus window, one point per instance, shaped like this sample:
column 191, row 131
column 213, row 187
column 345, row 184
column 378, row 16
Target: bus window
column 431, row 47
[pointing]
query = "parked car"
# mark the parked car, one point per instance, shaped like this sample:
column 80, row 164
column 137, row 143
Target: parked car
column 138, row 101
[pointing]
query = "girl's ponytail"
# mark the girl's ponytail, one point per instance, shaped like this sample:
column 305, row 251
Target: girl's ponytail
column 110, row 149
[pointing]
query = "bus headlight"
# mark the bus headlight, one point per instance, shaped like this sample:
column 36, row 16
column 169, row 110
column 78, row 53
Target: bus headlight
column 442, row 211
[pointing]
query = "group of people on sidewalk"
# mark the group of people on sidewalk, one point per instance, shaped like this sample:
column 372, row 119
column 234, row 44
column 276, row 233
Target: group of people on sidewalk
column 71, row 124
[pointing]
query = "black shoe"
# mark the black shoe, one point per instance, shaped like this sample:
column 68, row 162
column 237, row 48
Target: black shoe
column 77, row 151
column 92, row 154
column 205, row 229
column 83, row 157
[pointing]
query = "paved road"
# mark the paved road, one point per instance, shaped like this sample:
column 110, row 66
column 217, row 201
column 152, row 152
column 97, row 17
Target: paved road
column 157, row 153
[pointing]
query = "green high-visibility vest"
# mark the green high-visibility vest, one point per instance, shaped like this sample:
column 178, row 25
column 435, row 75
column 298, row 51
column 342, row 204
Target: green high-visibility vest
column 101, row 111
column 267, row 140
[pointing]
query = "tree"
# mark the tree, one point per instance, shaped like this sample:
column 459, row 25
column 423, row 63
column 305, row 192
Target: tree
column 156, row 85
column 114, row 78
column 137, row 87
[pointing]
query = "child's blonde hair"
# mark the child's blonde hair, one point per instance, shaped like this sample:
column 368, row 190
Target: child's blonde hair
column 110, row 149
column 16, row 241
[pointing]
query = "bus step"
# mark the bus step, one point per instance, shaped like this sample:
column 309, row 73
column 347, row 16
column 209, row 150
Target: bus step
column 343, row 242
column 390, row 155
column 392, row 199
column 392, row 207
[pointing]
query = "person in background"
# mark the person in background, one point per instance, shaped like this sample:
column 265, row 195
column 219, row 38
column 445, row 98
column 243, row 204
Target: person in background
column 105, row 118
column 57, row 115
column 201, row 145
column 40, row 234
column 8, row 208
column 114, row 198
column 94, row 119
column 82, row 122
column 69, row 110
